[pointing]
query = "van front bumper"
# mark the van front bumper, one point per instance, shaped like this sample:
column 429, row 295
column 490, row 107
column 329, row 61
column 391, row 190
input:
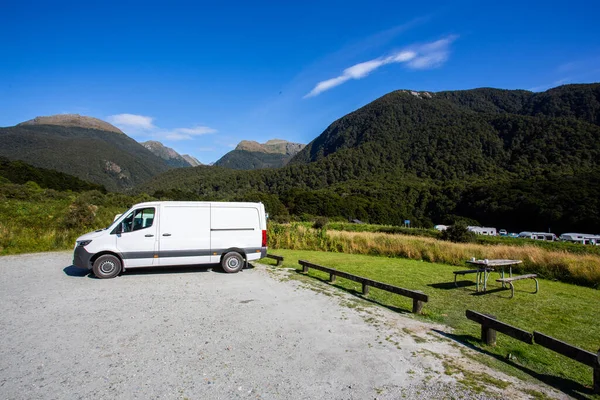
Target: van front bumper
column 81, row 258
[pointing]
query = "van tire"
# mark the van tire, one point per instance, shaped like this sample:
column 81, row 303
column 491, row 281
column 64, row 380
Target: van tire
column 107, row 266
column 232, row 262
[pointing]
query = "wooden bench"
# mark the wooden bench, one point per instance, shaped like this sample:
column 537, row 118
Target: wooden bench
column 278, row 258
column 518, row 278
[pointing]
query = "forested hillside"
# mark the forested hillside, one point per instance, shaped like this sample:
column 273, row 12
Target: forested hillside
column 107, row 158
column 20, row 173
column 512, row 159
column 247, row 160
column 248, row 155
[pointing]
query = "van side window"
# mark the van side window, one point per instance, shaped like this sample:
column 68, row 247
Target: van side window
column 138, row 219
column 144, row 218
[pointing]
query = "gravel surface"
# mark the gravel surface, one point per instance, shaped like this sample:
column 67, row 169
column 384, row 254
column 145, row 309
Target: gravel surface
column 198, row 333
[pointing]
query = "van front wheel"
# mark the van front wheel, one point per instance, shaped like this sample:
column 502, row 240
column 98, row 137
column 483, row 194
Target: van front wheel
column 232, row 262
column 107, row 266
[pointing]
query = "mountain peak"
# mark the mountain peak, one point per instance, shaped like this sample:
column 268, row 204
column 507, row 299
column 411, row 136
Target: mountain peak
column 170, row 156
column 76, row 120
column 275, row 146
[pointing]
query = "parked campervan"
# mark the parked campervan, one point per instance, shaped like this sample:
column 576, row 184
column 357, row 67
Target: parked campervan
column 538, row 236
column 176, row 233
column 582, row 238
column 482, row 230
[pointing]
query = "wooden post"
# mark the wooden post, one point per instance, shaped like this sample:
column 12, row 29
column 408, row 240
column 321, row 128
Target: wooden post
column 417, row 306
column 305, row 269
column 597, row 375
column 488, row 335
column 365, row 289
column 331, row 278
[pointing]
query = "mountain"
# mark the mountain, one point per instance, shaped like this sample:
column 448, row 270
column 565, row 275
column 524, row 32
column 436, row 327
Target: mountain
column 193, row 161
column 248, row 154
column 171, row 157
column 20, row 173
column 74, row 120
column 523, row 160
column 450, row 134
column 85, row 147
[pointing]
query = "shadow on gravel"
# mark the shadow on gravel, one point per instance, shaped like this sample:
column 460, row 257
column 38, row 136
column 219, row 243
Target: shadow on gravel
column 171, row 270
column 180, row 269
column 74, row 271
column 358, row 293
column 217, row 268
column 567, row 386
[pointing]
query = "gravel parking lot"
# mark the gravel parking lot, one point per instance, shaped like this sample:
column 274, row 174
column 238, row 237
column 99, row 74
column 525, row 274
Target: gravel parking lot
column 196, row 333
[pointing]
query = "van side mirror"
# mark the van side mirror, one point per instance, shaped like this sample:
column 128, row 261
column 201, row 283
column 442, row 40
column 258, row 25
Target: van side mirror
column 119, row 228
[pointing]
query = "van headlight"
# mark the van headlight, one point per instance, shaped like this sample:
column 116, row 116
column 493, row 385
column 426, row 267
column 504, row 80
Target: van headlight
column 83, row 243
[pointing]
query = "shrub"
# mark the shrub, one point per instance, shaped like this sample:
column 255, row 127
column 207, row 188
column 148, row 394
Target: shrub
column 458, row 233
column 80, row 215
column 320, row 222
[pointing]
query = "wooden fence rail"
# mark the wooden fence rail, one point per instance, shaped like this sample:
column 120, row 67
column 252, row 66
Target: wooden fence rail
column 278, row 258
column 489, row 326
column 419, row 298
column 489, row 323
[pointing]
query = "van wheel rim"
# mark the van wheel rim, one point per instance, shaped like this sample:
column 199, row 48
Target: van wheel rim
column 107, row 267
column 233, row 263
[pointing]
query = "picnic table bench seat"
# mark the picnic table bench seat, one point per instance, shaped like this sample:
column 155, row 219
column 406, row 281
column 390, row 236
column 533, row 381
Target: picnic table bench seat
column 511, row 279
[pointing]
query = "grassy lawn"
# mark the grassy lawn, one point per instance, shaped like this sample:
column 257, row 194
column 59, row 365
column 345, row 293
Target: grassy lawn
column 564, row 311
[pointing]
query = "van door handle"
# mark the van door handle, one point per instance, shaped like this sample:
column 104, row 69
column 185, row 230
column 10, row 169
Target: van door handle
column 149, row 235
column 166, row 234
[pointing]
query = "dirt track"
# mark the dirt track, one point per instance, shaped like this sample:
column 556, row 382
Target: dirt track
column 197, row 333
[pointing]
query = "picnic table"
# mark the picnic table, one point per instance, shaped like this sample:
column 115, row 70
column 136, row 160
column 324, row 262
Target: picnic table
column 483, row 269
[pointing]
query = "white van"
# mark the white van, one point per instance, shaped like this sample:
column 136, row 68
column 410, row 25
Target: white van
column 167, row 233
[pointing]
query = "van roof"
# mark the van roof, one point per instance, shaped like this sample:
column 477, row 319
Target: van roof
column 198, row 203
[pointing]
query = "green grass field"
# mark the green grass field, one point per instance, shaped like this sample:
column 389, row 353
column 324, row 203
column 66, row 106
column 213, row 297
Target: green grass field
column 564, row 311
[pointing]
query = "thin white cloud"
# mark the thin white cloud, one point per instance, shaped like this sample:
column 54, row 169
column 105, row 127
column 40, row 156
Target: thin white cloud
column 543, row 88
column 429, row 55
column 432, row 55
column 188, row 133
column 141, row 125
column 131, row 121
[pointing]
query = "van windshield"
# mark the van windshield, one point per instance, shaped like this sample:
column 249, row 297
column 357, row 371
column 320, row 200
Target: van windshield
column 118, row 219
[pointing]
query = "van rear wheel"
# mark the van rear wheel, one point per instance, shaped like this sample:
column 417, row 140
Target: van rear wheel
column 107, row 266
column 232, row 262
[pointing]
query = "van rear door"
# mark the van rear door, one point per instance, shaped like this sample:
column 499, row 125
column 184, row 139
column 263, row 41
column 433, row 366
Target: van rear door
column 234, row 226
column 184, row 234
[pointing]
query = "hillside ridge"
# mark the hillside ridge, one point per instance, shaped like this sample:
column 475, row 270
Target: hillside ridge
column 73, row 120
column 170, row 156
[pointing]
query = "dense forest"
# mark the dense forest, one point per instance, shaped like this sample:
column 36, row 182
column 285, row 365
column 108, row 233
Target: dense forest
column 247, row 160
column 19, row 172
column 512, row 159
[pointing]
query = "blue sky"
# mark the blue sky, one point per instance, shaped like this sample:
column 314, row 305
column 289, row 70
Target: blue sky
column 201, row 76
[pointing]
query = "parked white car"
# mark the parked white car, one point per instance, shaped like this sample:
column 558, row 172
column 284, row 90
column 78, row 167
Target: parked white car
column 176, row 233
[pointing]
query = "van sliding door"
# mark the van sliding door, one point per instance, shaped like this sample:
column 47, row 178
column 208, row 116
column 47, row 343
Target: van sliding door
column 184, row 235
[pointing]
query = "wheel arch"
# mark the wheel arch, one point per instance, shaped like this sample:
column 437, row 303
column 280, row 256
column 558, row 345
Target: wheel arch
column 234, row 249
column 105, row 252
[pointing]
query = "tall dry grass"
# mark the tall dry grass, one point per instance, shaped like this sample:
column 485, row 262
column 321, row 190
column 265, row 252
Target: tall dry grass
column 582, row 269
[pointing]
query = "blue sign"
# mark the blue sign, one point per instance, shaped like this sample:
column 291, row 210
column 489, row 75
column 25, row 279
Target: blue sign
column 407, row 222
